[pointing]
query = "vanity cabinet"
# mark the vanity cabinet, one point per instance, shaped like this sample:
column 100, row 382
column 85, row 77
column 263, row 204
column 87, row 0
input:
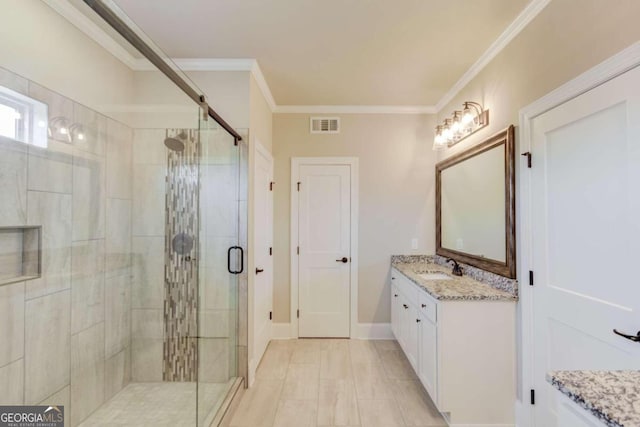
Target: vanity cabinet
column 463, row 352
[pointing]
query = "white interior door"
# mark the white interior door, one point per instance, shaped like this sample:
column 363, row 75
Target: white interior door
column 585, row 232
column 324, row 224
column 263, row 237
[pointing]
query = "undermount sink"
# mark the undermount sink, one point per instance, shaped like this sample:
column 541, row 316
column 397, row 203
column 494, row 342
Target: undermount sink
column 434, row 276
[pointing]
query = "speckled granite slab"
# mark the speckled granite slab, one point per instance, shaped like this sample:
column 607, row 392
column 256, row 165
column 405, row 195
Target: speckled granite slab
column 457, row 289
column 611, row 396
column 496, row 281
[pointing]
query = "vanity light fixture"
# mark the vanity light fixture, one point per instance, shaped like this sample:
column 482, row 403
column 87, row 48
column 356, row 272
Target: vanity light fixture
column 59, row 129
column 462, row 123
column 77, row 132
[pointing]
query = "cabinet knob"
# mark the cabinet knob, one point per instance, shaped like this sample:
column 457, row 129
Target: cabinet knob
column 393, row 278
column 405, row 305
column 395, row 295
column 424, row 305
column 417, row 320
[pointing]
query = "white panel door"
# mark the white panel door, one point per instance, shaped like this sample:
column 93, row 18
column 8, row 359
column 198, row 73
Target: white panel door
column 263, row 237
column 585, row 232
column 324, row 223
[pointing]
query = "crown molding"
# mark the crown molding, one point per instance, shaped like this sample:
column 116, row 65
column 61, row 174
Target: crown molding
column 522, row 20
column 93, row 31
column 356, row 109
column 97, row 34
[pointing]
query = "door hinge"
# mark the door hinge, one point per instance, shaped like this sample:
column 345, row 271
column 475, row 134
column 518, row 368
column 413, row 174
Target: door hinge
column 530, row 278
column 271, row 186
column 299, row 185
column 528, row 154
column 533, row 397
column 298, row 313
column 298, row 250
column 271, row 315
column 270, row 251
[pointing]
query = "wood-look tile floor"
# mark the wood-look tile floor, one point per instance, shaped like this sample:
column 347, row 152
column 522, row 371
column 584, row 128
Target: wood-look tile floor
column 330, row 382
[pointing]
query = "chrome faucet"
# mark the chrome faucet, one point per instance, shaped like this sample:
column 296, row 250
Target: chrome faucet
column 457, row 270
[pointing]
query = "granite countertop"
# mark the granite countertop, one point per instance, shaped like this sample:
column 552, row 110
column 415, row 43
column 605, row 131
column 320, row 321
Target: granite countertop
column 611, row 396
column 457, row 289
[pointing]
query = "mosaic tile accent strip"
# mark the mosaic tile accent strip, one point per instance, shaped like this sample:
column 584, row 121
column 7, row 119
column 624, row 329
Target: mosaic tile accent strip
column 180, row 349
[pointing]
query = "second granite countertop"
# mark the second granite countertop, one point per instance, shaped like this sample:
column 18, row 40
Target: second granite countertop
column 457, row 289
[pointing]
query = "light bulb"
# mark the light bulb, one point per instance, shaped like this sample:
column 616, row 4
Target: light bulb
column 63, row 131
column 467, row 116
column 81, row 136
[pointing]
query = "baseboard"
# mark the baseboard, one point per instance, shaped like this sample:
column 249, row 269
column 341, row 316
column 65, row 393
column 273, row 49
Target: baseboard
column 364, row 331
column 374, row 331
column 523, row 414
column 281, row 331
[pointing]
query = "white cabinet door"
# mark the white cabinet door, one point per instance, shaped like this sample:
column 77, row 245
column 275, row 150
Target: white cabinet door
column 409, row 325
column 395, row 310
column 428, row 363
column 403, row 323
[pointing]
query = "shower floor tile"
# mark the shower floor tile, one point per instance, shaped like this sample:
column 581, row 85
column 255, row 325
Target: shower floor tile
column 158, row 404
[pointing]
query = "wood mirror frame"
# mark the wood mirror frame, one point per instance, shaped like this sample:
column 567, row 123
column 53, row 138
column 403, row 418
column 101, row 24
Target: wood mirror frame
column 507, row 268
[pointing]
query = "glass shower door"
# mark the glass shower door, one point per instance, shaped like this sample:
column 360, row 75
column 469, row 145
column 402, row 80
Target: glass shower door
column 220, row 265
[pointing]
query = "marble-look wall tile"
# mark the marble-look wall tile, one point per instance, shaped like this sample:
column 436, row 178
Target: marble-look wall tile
column 12, row 380
column 13, row 81
column 59, row 107
column 117, row 372
column 213, row 360
column 47, row 344
column 60, row 398
column 117, row 314
column 119, row 154
column 146, row 360
column 118, row 238
column 87, row 284
column 87, row 372
column 149, row 148
column 215, row 323
column 13, row 182
column 51, row 168
column 93, row 127
column 53, row 212
column 11, row 323
column 149, row 200
column 147, row 323
column 219, row 199
column 148, row 272
column 88, row 196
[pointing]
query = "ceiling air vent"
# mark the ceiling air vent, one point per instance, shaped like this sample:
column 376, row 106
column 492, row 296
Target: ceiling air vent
column 325, row 125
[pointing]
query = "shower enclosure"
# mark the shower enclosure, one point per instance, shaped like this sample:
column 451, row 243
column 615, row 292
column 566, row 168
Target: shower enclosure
column 122, row 235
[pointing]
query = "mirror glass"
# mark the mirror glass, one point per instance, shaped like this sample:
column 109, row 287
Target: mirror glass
column 473, row 205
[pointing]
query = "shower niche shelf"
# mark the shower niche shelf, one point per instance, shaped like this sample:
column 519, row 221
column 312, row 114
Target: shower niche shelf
column 20, row 253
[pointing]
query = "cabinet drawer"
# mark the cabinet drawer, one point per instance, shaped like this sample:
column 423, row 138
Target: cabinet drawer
column 405, row 286
column 428, row 307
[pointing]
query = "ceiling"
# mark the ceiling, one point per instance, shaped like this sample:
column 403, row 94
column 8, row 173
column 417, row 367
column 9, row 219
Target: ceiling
column 335, row 52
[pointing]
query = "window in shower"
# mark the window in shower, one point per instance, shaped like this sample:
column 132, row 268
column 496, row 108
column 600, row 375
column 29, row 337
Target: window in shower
column 22, row 118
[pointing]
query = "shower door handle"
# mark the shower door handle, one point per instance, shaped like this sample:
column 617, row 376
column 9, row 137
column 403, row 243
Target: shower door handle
column 238, row 248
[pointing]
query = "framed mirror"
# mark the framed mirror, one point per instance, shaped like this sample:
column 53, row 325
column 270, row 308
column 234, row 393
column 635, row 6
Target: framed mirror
column 476, row 205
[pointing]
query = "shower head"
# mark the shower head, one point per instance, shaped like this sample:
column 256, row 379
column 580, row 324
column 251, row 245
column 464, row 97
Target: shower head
column 174, row 144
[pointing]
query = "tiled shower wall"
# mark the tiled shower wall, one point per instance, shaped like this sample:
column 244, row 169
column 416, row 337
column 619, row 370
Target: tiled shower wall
column 66, row 336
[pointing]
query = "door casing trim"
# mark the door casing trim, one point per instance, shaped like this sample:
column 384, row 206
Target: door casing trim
column 353, row 163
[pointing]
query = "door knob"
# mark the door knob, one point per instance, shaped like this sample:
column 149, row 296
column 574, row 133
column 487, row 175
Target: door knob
column 405, row 305
column 259, row 270
column 635, row 338
column 344, row 260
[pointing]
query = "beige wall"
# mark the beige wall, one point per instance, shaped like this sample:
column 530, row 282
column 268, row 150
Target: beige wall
column 567, row 38
column 260, row 115
column 396, row 196
column 76, row 66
